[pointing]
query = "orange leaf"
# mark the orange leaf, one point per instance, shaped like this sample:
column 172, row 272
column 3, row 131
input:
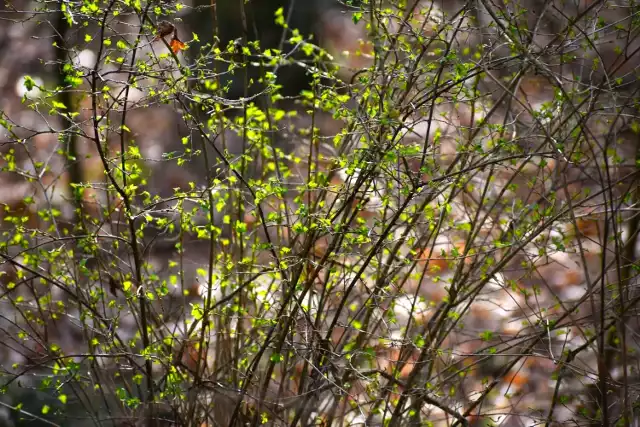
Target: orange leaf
column 176, row 45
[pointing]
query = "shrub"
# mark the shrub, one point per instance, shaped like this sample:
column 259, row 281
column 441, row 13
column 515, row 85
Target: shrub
column 439, row 229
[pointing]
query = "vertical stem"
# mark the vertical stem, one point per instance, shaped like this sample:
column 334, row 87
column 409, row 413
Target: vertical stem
column 70, row 140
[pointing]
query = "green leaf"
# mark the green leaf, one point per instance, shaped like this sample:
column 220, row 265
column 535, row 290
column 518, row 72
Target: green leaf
column 58, row 105
column 29, row 83
column 276, row 358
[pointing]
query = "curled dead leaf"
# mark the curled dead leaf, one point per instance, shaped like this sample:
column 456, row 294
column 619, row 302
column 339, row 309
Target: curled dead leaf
column 164, row 29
